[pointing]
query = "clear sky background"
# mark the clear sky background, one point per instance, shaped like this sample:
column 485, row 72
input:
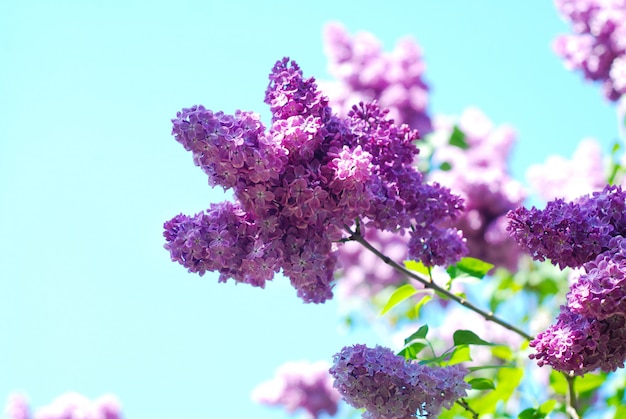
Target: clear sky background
column 89, row 300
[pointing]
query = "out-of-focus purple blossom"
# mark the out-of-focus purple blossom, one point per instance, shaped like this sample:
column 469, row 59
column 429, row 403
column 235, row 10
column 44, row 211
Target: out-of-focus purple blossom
column 597, row 46
column 300, row 183
column 363, row 274
column 300, row 385
column 388, row 387
column 569, row 179
column 17, row 406
column 571, row 233
column 365, row 72
column 581, row 344
column 480, row 175
column 67, row 406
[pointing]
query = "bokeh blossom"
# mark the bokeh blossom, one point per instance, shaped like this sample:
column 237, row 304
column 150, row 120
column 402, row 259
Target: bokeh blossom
column 559, row 177
column 300, row 385
column 478, row 171
column 389, row 387
column 67, row 406
column 364, row 72
column 597, row 46
column 300, row 183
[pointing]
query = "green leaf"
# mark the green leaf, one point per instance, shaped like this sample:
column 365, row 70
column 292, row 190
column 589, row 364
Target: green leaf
column 420, row 334
column 547, row 407
column 398, row 296
column 620, row 413
column 531, row 413
column 589, row 382
column 445, row 166
column 467, row 337
column 419, row 267
column 460, row 354
column 508, row 380
column 616, row 146
column 458, row 139
column 411, row 351
column 502, row 352
column 474, row 267
column 421, row 303
column 481, row 384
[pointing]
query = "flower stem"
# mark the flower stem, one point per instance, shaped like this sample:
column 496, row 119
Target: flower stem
column 428, row 283
column 570, row 397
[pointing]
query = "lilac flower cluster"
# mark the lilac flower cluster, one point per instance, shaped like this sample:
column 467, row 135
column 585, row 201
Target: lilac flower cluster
column 300, row 385
column 587, row 233
column 300, row 183
column 389, row 387
column 598, row 45
column 67, row 406
column 364, row 73
column 480, row 174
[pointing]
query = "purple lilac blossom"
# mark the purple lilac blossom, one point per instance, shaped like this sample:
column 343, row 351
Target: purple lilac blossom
column 480, row 175
column 298, row 184
column 365, row 72
column 389, row 387
column 67, row 406
column 581, row 344
column 300, row 385
column 571, row 233
column 587, row 233
column 597, row 46
column 569, row 179
column 600, row 292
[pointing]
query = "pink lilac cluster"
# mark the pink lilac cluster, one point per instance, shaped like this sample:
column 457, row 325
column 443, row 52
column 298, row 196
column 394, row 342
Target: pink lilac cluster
column 300, row 183
column 569, row 179
column 67, row 406
column 365, row 72
column 588, row 234
column 300, row 385
column 598, row 45
column 389, row 387
column 480, row 174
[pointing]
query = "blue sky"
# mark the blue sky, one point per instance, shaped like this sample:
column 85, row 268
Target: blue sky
column 89, row 300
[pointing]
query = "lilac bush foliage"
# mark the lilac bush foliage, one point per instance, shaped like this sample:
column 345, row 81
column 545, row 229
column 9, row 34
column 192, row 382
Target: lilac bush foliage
column 480, row 174
column 590, row 331
column 67, row 406
column 300, row 183
column 389, row 387
column 364, row 72
column 597, row 46
column 300, row 385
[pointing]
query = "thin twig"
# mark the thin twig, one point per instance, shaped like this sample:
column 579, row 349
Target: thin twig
column 356, row 236
column 466, row 406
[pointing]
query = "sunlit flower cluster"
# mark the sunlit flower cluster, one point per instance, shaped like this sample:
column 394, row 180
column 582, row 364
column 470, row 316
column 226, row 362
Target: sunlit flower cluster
column 300, row 183
column 587, row 233
column 388, row 386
